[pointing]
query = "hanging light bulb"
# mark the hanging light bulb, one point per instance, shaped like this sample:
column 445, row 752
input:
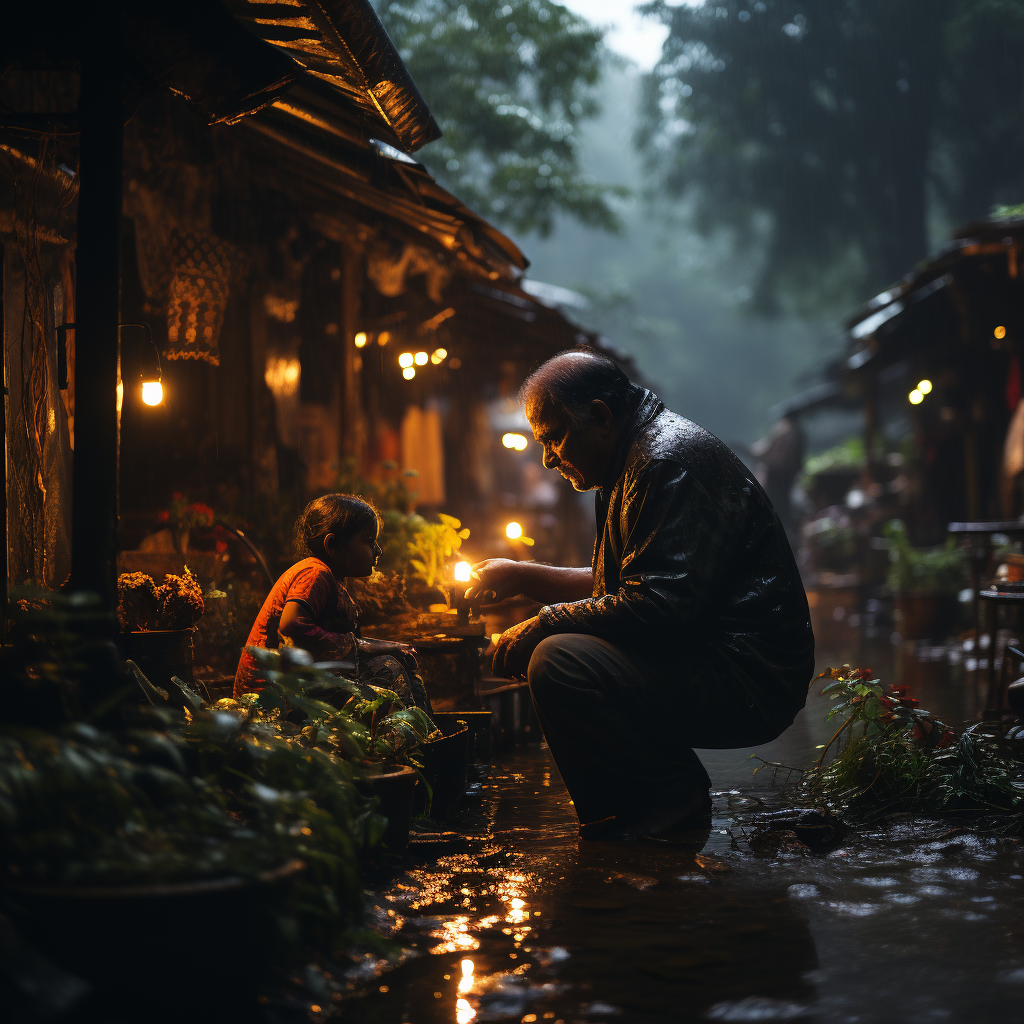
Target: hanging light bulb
column 409, row 372
column 152, row 392
column 405, row 359
column 421, row 358
column 361, row 339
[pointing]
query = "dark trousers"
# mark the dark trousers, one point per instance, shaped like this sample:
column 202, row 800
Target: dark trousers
column 621, row 726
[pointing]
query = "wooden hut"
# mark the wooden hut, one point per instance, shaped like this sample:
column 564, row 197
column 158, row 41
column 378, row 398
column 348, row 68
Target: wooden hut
column 237, row 178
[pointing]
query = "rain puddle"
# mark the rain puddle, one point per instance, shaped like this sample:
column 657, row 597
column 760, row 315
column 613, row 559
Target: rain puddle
column 515, row 919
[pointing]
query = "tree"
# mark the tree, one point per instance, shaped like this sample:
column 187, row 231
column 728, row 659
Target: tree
column 831, row 129
column 507, row 82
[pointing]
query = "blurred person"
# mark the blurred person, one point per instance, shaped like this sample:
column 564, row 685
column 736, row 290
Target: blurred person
column 689, row 629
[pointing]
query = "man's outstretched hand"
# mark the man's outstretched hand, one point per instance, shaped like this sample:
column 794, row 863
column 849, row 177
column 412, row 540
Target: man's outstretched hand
column 516, row 646
column 494, row 579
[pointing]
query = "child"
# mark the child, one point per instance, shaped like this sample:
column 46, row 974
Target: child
column 311, row 608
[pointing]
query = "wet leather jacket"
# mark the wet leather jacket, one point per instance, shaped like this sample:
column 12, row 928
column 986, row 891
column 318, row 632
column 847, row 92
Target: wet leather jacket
column 691, row 555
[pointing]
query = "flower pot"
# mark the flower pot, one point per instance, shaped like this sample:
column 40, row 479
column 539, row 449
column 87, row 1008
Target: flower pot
column 445, row 761
column 479, row 723
column 394, row 786
column 163, row 947
column 162, row 653
column 925, row 614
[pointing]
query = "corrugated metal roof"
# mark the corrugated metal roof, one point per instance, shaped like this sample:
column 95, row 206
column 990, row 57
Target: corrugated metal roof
column 343, row 44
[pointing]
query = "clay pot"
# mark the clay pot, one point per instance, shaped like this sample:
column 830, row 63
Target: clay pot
column 165, row 946
column 394, row 786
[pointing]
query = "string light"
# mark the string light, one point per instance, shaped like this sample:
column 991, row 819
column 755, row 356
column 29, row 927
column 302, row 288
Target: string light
column 361, row 339
column 915, row 396
column 439, row 356
column 409, row 372
column 383, row 338
column 462, row 572
column 421, row 358
column 514, row 531
column 1000, row 333
column 925, row 387
column 405, row 359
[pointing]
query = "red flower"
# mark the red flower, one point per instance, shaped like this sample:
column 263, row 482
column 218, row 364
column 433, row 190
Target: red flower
column 163, row 515
column 862, row 673
column 222, row 546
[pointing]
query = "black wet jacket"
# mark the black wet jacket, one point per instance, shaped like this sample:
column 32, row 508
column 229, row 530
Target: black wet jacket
column 691, row 556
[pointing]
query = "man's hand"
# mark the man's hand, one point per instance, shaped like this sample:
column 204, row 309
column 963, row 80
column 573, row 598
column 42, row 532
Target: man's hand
column 495, row 579
column 516, row 646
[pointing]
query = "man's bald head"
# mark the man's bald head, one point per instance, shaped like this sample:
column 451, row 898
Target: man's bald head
column 569, row 383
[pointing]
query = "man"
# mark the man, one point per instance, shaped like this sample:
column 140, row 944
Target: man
column 691, row 627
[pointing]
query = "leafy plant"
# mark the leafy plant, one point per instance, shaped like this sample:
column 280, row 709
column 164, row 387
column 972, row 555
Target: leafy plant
column 432, row 545
column 940, row 569
column 849, row 455
column 895, row 756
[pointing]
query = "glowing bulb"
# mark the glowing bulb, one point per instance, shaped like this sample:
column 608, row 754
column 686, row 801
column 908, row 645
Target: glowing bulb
column 915, row 396
column 464, row 1012
column 383, row 338
column 1000, row 333
column 421, row 358
column 361, row 339
column 925, row 387
column 517, row 442
column 439, row 356
column 513, row 531
column 120, row 396
column 467, row 968
column 405, row 359
column 462, row 572
column 152, row 392
column 409, row 372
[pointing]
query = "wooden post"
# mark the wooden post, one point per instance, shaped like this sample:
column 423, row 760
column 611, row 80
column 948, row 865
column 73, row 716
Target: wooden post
column 353, row 423
column 97, row 314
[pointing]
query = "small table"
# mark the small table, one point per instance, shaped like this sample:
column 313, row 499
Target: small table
column 980, row 535
column 995, row 598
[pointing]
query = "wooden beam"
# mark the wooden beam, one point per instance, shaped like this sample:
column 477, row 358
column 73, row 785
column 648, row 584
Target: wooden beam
column 97, row 314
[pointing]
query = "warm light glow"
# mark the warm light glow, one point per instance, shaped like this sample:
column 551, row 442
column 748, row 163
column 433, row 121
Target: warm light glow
column 462, row 572
column 408, row 373
column 120, row 396
column 925, row 387
column 915, row 396
column 513, row 531
column 1000, row 333
column 464, row 1013
column 152, row 392
column 421, row 358
column 439, row 356
column 282, row 375
column 455, row 363
column 383, row 338
column 361, row 339
column 517, row 442
column 405, row 359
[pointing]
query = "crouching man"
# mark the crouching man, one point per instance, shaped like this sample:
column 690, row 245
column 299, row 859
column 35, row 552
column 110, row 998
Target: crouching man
column 691, row 627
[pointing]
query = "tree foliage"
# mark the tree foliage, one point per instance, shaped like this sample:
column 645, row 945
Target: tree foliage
column 834, row 130
column 507, row 81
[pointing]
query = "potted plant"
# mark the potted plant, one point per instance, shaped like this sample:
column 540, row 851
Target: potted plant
column 158, row 623
column 138, row 842
column 365, row 724
column 925, row 584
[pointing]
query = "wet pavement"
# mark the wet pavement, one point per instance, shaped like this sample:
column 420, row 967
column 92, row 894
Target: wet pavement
column 518, row 920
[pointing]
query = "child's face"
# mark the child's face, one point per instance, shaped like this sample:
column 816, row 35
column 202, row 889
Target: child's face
column 356, row 558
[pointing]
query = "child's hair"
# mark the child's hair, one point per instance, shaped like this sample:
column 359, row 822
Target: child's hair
column 344, row 515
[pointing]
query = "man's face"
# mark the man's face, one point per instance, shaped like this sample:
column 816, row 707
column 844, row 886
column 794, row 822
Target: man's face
column 576, row 451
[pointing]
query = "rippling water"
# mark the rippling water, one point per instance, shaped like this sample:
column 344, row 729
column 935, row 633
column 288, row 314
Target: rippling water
column 516, row 920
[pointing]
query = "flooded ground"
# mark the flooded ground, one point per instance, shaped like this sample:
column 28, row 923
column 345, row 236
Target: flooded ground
column 518, row 920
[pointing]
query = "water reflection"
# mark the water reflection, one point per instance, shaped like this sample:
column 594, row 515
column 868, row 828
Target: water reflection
column 526, row 924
